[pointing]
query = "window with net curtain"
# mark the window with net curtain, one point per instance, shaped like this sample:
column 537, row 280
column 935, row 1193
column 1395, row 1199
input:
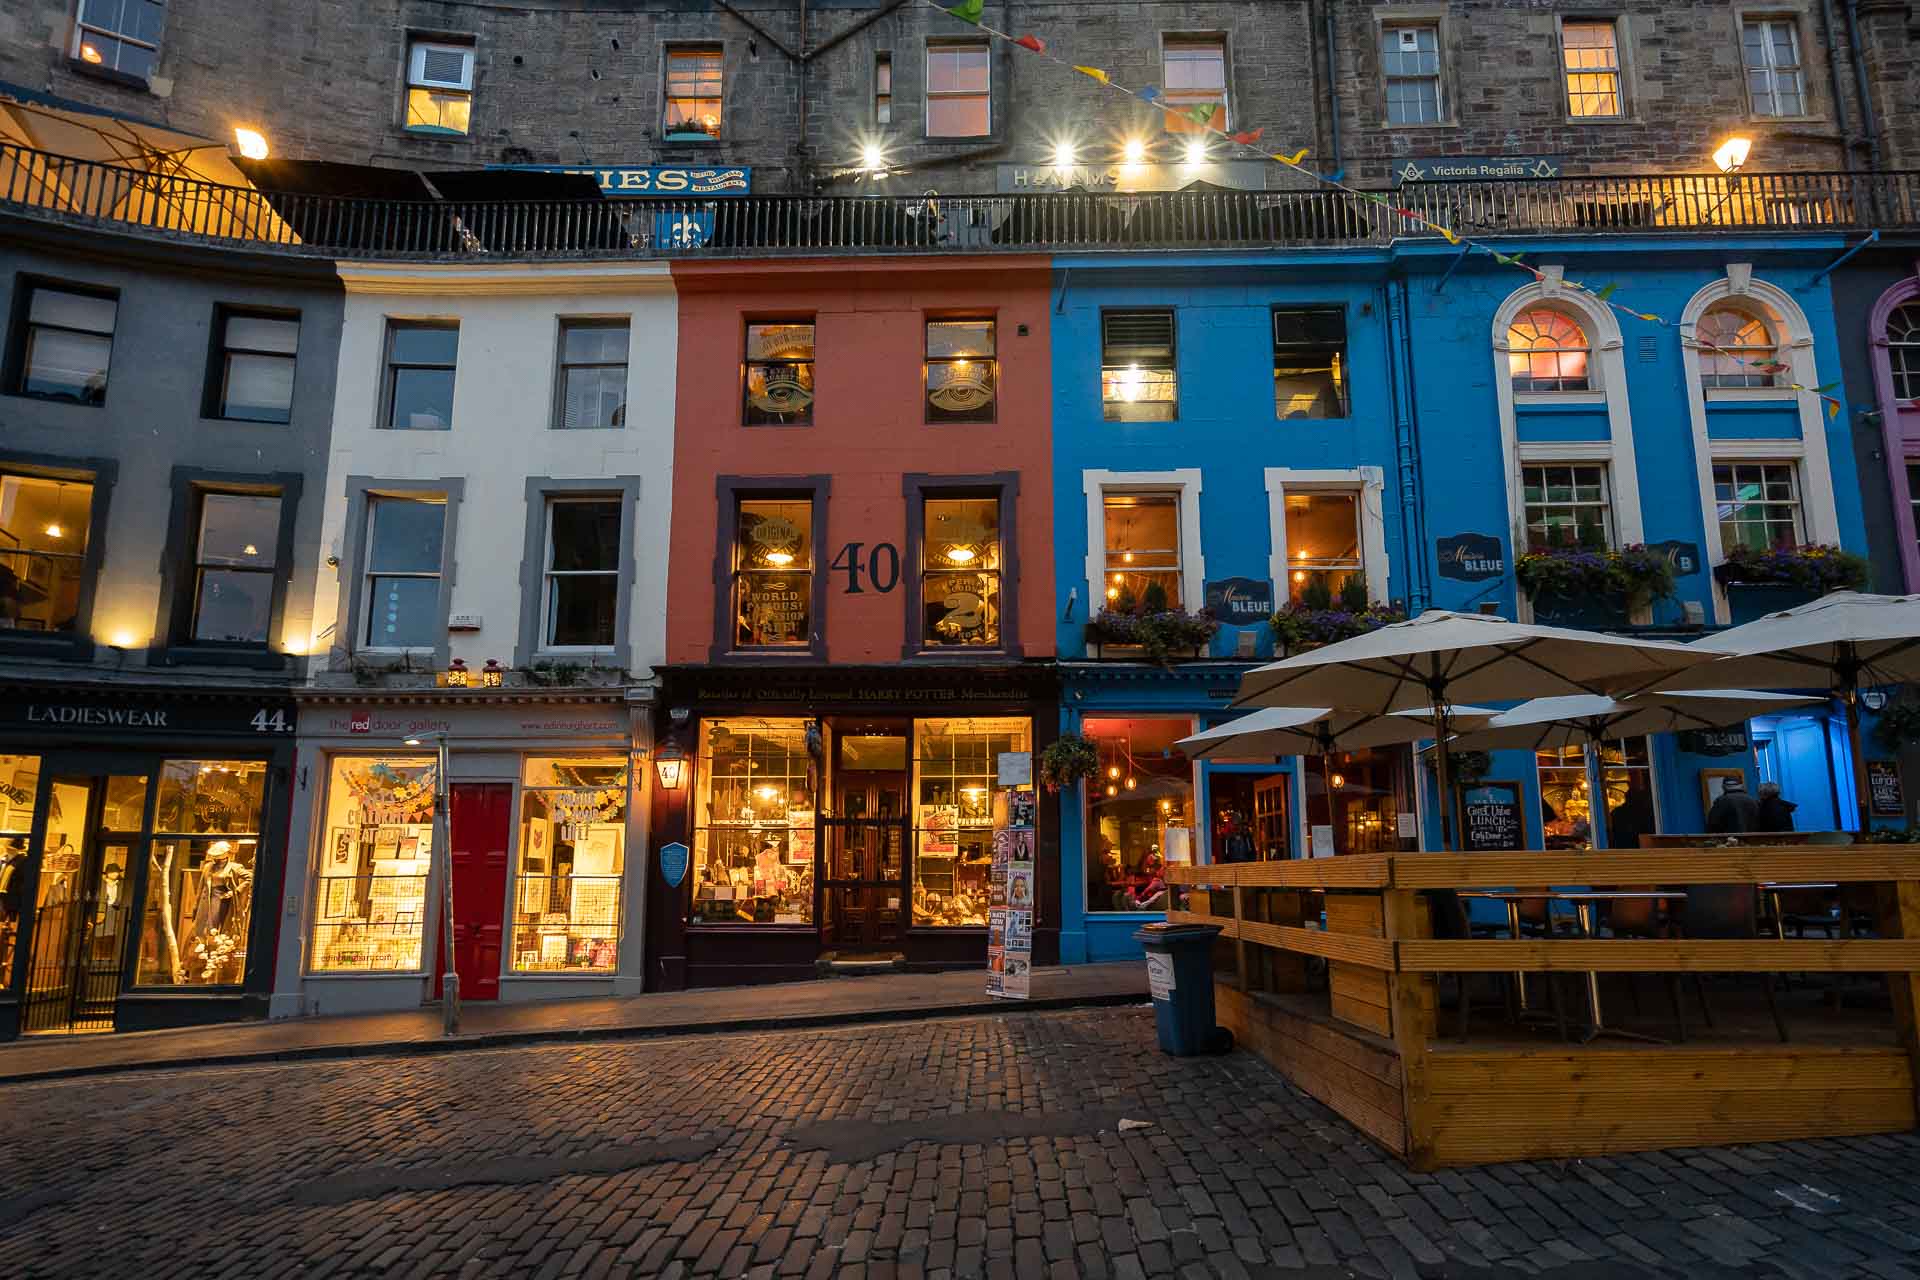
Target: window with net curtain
column 1548, row 351
column 1903, row 350
column 1143, row 550
column 1323, row 547
column 1737, row 348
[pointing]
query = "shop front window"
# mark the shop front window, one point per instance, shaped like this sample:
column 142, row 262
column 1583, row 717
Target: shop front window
column 960, row 586
column 1355, row 799
column 957, row 795
column 754, row 823
column 1139, row 812
column 1566, row 800
column 773, row 573
column 566, row 886
column 370, row 906
column 200, row 875
column 1248, row 816
column 19, row 785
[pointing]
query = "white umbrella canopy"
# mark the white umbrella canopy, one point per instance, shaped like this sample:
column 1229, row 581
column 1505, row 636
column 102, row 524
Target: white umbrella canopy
column 1578, row 719
column 1271, row 732
column 1843, row 642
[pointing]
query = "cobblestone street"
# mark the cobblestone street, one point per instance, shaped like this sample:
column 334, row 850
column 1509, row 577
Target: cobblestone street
column 978, row 1146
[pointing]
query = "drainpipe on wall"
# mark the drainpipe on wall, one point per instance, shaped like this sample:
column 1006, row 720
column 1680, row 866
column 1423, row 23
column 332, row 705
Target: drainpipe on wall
column 1828, row 32
column 1868, row 121
column 1333, row 92
column 1399, row 344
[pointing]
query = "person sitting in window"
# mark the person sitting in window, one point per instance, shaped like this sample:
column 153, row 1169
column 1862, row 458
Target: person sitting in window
column 1113, row 874
column 1152, row 895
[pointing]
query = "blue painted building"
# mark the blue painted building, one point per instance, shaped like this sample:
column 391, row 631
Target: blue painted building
column 1394, row 427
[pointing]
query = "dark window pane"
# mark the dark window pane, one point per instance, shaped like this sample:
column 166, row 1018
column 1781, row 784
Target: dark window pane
column 595, row 398
column 586, row 535
column 234, row 606
column 582, row 609
column 403, row 613
column 241, row 530
column 422, row 399
column 596, row 344
column 406, row 536
column 66, row 365
column 258, row 389
column 425, row 344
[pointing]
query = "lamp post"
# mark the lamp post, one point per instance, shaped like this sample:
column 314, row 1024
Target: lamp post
column 443, row 841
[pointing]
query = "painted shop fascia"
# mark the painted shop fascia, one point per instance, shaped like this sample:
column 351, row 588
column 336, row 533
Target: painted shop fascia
column 550, row 791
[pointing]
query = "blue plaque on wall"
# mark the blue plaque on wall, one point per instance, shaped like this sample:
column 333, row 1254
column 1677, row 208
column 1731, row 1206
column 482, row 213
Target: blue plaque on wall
column 673, row 863
column 1472, row 557
column 1240, row 602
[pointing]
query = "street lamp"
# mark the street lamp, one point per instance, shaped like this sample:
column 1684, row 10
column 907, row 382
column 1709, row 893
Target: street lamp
column 443, row 841
column 251, row 143
column 1732, row 154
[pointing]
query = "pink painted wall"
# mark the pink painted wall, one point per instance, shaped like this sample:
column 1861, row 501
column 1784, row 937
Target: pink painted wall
column 868, row 429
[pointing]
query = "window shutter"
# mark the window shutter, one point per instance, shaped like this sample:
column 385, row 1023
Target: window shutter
column 442, row 66
column 1137, row 335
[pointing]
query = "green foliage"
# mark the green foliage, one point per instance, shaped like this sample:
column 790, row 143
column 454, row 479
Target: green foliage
column 1066, row 760
column 1154, row 598
column 1353, row 593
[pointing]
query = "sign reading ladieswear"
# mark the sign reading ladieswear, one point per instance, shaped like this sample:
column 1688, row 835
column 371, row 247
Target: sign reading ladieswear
column 82, row 714
column 634, row 180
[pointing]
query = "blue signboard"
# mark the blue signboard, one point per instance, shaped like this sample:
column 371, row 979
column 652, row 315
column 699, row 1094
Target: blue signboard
column 673, row 864
column 682, row 229
column 655, row 180
column 1477, row 168
column 1471, row 557
column 1240, row 601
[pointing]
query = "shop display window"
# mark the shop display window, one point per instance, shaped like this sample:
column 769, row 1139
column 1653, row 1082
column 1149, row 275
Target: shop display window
column 200, row 875
column 19, row 785
column 1248, row 815
column 1566, row 800
column 754, row 822
column 571, row 865
column 1143, row 551
column 1139, row 811
column 376, row 847
column 960, row 583
column 773, row 573
column 956, row 795
column 1360, row 795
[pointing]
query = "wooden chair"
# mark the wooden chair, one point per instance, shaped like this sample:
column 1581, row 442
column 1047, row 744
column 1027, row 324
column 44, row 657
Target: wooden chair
column 1646, row 918
column 1728, row 911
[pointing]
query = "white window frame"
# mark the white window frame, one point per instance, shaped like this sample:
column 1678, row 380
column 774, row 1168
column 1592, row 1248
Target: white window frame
column 1767, row 21
column 1370, row 483
column 1798, row 502
column 1184, row 482
column 364, row 624
column 548, row 573
column 929, row 93
column 1622, row 106
column 1438, row 77
column 1819, row 512
column 1605, row 504
column 417, row 78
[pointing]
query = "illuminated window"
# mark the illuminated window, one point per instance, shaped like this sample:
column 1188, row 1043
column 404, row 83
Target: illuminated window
column 439, row 87
column 753, row 824
column 1139, row 812
column 1410, row 60
column 960, row 572
column 120, row 35
column 694, row 95
column 1547, row 351
column 773, row 573
column 199, row 907
column 1137, row 379
column 570, row 865
column 956, row 791
column 1567, row 506
column 1143, row 550
column 1770, row 47
column 19, row 790
column 1323, row 545
column 778, row 385
column 959, row 90
column 1566, row 801
column 1310, row 362
column 1194, row 71
column 370, row 888
column 1590, row 53
column 1736, row 349
column 44, row 527
column 235, row 562
column 960, row 370
column 1758, row 505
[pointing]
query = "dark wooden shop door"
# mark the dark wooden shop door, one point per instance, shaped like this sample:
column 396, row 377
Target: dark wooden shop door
column 866, row 860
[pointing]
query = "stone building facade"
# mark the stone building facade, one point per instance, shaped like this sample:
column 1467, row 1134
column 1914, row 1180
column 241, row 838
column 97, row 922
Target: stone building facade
column 807, row 86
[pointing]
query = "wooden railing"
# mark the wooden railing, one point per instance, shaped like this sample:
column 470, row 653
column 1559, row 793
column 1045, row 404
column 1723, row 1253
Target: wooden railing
column 1369, row 1042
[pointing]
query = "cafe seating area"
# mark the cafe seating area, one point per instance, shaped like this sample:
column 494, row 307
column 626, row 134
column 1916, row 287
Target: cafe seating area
column 1462, row 1009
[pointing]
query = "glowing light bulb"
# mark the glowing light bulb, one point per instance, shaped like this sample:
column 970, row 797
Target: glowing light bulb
column 1130, row 784
column 251, row 142
column 1300, row 555
column 871, row 157
column 250, row 550
column 1113, row 771
column 1063, row 155
column 961, row 555
column 1196, row 150
column 780, row 558
column 1299, row 575
column 1135, row 151
column 1127, row 557
column 89, row 54
column 1130, row 383
column 1112, row 790
column 55, row 531
column 1113, row 593
column 1339, row 780
column 767, row 793
column 1166, row 806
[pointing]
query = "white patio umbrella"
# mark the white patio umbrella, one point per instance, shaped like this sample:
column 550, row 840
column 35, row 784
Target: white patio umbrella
column 1441, row 656
column 1586, row 720
column 1843, row 642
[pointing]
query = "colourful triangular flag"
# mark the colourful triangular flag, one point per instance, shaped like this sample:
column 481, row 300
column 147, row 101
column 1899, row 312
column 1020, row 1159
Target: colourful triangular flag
column 1248, row 137
column 1203, row 114
column 1295, row 159
column 1833, row 408
column 1451, row 237
column 1148, row 94
column 1094, row 72
column 968, row 11
column 1607, row 292
column 1034, row 43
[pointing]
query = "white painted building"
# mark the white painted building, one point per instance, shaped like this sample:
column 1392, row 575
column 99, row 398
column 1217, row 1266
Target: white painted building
column 494, row 533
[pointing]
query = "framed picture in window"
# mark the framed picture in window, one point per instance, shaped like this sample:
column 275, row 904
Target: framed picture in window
column 387, row 843
column 340, row 850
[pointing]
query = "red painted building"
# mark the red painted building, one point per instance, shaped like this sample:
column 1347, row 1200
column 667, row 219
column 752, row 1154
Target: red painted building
column 859, row 612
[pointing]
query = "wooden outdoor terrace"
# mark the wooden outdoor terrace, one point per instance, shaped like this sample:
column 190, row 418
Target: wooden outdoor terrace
column 1379, row 1037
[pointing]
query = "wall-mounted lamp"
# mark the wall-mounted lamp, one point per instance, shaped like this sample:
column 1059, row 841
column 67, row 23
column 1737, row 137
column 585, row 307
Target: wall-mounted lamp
column 670, row 766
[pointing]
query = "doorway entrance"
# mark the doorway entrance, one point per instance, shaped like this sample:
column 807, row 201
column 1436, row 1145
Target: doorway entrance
column 865, row 836
column 1812, row 765
column 480, row 822
column 83, row 903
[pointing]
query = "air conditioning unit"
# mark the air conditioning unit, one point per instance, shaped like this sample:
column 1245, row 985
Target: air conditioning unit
column 441, row 66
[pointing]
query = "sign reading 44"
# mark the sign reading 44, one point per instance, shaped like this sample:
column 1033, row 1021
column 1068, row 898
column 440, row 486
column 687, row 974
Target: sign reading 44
column 265, row 721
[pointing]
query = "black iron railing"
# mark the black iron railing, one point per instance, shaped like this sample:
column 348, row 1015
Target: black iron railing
column 83, row 191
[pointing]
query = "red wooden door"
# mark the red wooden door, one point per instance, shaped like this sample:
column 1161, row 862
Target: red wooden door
column 482, row 819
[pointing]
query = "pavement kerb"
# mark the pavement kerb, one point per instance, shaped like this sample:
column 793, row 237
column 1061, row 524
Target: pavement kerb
column 567, row 1035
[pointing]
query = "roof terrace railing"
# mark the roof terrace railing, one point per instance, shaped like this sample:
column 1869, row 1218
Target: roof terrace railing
column 85, row 192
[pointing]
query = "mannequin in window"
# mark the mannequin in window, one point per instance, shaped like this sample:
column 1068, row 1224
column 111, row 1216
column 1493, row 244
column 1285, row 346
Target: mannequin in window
column 216, row 942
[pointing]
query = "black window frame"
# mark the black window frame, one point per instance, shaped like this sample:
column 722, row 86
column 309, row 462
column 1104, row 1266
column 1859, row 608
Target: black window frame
column 179, row 570
column 390, row 371
column 100, row 474
column 214, row 397
column 1107, row 362
column 564, row 366
column 731, row 491
column 21, row 329
column 1307, row 346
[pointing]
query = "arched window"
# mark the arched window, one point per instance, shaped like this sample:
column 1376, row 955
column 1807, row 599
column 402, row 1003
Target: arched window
column 1737, row 349
column 1547, row 351
column 1903, row 350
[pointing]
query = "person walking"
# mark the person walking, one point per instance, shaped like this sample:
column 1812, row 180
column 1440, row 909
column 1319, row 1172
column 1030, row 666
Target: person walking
column 1733, row 810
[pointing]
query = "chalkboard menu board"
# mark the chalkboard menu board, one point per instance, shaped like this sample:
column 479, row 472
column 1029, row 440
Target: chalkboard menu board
column 1883, row 786
column 1490, row 817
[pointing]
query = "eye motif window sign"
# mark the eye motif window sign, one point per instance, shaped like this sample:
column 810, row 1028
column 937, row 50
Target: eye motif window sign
column 775, row 540
column 782, row 357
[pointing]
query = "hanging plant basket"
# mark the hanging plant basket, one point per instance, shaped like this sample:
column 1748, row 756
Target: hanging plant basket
column 1633, row 575
column 1299, row 627
column 1066, row 760
column 1815, row 568
column 1153, row 635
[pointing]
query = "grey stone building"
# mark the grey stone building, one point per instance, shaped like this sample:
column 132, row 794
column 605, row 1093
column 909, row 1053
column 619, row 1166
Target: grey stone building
column 164, row 414
column 799, row 91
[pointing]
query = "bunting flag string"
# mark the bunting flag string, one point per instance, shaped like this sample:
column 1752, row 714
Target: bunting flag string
column 1203, row 118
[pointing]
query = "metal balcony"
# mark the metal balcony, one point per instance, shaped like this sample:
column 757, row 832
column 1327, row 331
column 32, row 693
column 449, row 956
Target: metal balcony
column 88, row 193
